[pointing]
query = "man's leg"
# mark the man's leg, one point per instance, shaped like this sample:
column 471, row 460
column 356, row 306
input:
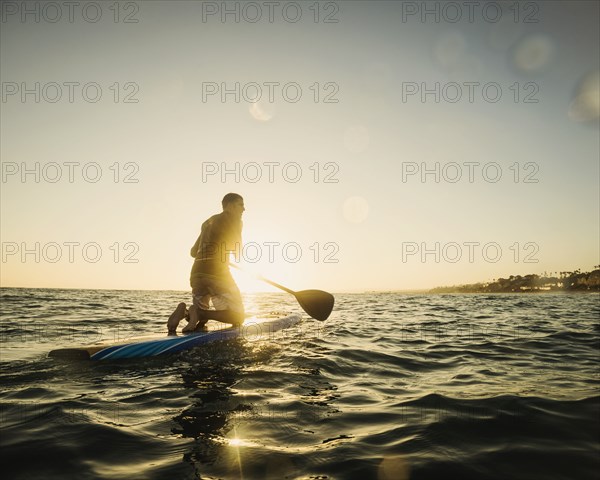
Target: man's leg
column 229, row 307
column 197, row 319
column 226, row 316
column 225, row 297
column 175, row 318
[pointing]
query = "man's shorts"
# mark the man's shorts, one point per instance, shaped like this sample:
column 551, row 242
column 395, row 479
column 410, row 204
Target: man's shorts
column 223, row 293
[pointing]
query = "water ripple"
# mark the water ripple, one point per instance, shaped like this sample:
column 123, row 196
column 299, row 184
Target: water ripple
column 391, row 386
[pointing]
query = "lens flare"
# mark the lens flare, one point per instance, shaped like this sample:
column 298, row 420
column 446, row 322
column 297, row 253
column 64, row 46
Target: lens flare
column 585, row 106
column 261, row 111
column 356, row 209
column 533, row 53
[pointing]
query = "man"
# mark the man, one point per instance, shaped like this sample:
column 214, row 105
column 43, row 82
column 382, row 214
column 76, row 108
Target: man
column 210, row 279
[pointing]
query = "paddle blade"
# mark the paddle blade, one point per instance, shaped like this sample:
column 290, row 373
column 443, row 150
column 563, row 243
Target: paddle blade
column 317, row 303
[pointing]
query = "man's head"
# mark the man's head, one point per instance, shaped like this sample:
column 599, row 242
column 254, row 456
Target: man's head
column 233, row 203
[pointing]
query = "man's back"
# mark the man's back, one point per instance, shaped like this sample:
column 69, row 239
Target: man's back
column 220, row 233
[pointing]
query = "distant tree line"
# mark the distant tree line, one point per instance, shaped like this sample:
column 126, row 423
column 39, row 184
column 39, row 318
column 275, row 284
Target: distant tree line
column 575, row 281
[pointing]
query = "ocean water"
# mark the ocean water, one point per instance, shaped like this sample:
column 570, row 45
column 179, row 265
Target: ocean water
column 392, row 386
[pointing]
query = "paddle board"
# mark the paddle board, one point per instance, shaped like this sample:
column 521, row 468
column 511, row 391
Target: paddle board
column 153, row 346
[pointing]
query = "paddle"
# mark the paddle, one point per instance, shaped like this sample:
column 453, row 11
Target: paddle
column 317, row 303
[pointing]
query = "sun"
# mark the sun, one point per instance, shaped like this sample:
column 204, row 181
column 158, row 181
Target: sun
column 260, row 255
column 247, row 284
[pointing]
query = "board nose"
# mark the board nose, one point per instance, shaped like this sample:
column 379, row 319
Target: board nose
column 70, row 354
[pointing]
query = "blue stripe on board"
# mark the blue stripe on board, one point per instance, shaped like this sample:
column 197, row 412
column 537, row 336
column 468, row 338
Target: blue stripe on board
column 161, row 346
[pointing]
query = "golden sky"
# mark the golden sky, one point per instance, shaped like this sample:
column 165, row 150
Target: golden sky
column 389, row 148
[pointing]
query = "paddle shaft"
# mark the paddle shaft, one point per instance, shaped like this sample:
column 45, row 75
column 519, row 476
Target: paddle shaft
column 270, row 282
column 317, row 303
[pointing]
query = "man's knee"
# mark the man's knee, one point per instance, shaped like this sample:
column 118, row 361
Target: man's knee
column 237, row 317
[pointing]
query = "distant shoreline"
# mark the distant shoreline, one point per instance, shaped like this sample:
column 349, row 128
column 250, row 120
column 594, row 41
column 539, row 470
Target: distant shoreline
column 560, row 282
column 526, row 291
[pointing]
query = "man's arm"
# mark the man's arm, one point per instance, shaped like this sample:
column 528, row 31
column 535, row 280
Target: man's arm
column 194, row 249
